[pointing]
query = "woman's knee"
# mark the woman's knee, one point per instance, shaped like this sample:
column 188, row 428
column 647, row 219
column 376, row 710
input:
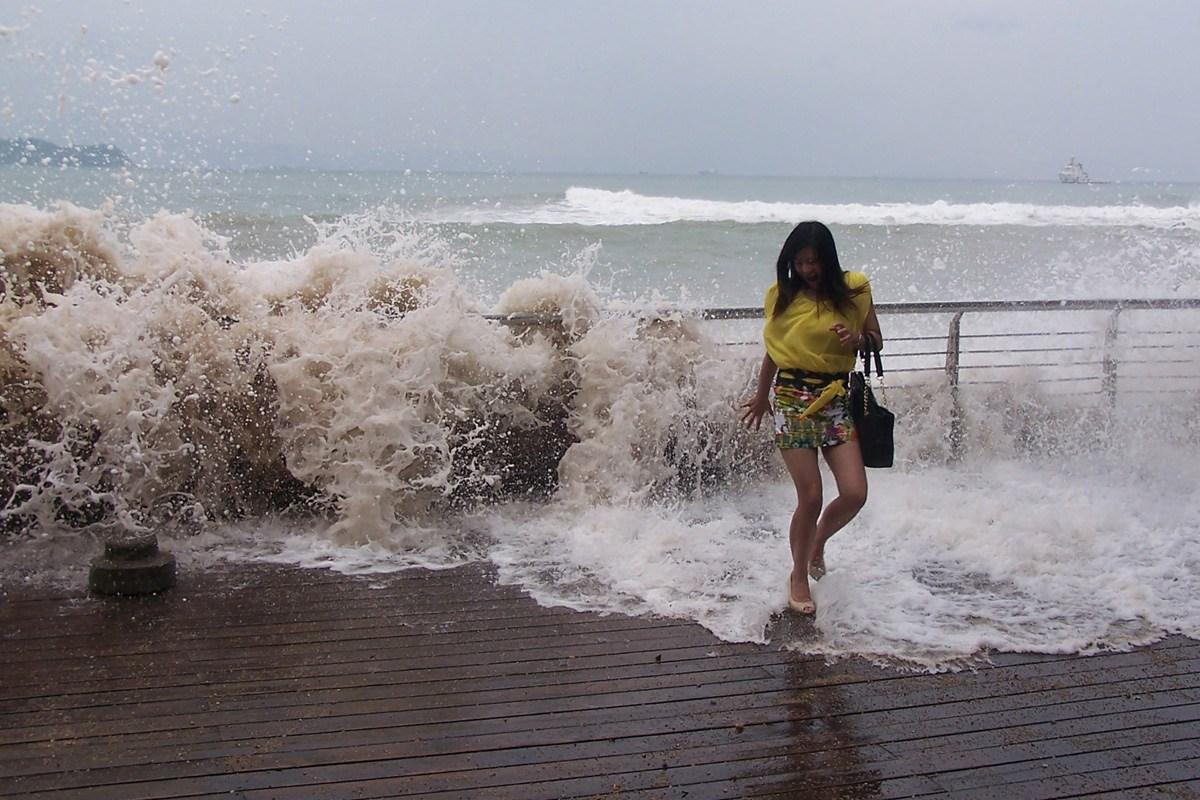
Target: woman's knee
column 808, row 499
column 854, row 496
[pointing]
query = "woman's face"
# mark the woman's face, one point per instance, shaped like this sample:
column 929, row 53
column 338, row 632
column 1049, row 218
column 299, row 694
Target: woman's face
column 807, row 267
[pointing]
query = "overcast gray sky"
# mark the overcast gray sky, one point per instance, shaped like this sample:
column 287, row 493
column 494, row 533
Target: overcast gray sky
column 925, row 88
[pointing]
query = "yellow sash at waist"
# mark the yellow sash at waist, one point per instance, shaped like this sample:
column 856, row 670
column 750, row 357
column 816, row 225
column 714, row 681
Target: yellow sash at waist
column 834, row 388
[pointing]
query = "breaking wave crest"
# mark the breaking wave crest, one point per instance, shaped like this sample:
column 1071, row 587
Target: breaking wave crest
column 600, row 207
column 160, row 375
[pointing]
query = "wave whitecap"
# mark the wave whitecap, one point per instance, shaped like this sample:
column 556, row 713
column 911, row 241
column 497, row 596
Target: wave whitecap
column 601, row 207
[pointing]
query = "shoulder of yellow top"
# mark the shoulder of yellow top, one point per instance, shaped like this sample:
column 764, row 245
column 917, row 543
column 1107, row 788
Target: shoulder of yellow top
column 855, row 279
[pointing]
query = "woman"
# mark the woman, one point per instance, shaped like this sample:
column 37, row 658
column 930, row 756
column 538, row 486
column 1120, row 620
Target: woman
column 818, row 318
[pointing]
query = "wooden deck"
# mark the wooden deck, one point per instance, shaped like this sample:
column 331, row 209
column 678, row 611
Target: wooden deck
column 276, row 682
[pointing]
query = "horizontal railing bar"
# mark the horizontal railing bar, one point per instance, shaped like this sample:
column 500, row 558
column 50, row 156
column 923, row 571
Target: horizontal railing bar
column 893, row 353
column 932, row 307
column 1040, row 305
column 1155, row 376
column 1029, row 333
column 942, row 337
column 1078, row 379
column 1093, row 393
column 1144, row 332
column 1123, row 376
column 1030, row 350
column 1161, row 361
column 1009, row 383
column 1032, row 364
column 901, row 387
column 914, row 353
column 1152, row 377
column 938, row 307
column 892, row 357
column 897, row 354
column 743, row 312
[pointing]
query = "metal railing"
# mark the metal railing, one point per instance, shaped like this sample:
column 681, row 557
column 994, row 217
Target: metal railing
column 954, row 337
column 1060, row 358
column 924, row 351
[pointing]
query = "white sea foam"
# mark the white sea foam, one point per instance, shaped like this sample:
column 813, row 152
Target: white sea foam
column 600, row 207
column 1056, row 533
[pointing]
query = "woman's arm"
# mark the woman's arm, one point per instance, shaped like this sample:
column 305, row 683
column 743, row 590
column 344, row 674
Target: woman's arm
column 760, row 402
column 871, row 330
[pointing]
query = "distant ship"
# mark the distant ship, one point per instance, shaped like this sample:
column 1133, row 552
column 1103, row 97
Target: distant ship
column 1073, row 172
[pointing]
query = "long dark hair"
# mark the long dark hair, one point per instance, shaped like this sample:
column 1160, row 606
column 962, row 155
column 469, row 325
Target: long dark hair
column 831, row 288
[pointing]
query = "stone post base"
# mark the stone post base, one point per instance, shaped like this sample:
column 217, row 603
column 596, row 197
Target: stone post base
column 132, row 565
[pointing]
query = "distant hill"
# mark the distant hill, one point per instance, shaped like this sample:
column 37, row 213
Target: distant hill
column 39, row 152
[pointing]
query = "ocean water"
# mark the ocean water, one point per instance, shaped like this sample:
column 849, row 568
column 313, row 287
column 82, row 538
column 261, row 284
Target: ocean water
column 305, row 367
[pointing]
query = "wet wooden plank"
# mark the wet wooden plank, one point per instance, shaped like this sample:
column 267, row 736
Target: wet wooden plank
column 482, row 694
column 858, row 700
column 268, row 681
column 563, row 697
column 1180, row 790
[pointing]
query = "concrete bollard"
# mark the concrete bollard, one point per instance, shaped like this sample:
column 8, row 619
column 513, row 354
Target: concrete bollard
column 132, row 565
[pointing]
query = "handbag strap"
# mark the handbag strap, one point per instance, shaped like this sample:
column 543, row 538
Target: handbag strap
column 866, row 353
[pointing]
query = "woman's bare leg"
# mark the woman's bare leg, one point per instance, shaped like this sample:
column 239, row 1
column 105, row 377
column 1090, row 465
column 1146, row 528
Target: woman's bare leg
column 806, row 475
column 845, row 461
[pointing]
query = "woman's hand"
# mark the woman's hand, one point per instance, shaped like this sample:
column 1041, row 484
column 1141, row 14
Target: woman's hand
column 755, row 407
column 849, row 339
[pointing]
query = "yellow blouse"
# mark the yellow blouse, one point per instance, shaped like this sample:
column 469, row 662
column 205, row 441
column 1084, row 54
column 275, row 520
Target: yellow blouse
column 800, row 338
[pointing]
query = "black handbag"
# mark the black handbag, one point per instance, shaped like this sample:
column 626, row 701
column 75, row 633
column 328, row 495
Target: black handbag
column 874, row 422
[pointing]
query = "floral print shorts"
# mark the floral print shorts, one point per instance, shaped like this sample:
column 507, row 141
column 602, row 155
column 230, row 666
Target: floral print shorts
column 830, row 426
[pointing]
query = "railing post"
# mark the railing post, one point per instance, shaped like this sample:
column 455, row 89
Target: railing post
column 956, row 415
column 1109, row 381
